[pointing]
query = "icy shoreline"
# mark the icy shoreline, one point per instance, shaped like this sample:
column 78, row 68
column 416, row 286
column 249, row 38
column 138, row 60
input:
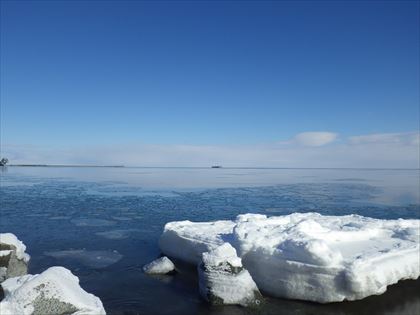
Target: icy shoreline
column 307, row 256
column 54, row 291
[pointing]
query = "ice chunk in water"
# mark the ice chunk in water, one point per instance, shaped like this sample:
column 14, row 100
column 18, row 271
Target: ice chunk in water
column 161, row 266
column 308, row 256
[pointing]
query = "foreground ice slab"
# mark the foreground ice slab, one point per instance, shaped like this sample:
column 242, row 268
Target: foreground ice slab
column 13, row 259
column 308, row 256
column 55, row 291
column 223, row 279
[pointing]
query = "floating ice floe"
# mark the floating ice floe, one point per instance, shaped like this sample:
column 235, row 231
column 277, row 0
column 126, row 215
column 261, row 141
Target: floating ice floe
column 89, row 258
column 117, row 234
column 55, row 291
column 13, row 259
column 88, row 222
column 159, row 266
column 223, row 279
column 308, row 256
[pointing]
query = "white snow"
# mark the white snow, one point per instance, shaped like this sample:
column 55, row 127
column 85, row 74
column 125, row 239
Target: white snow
column 11, row 239
column 220, row 282
column 187, row 240
column 161, row 265
column 223, row 253
column 5, row 252
column 57, row 283
column 308, row 256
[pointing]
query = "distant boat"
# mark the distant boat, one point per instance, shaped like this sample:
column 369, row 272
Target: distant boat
column 216, row 166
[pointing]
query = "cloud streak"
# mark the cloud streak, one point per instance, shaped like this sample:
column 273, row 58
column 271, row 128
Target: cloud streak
column 314, row 138
column 409, row 138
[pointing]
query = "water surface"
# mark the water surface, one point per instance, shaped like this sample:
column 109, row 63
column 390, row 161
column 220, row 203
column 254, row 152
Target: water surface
column 104, row 224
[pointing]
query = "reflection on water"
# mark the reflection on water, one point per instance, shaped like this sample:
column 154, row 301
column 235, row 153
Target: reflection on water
column 104, row 224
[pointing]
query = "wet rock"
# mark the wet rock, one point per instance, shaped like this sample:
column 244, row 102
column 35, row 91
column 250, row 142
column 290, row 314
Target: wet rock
column 13, row 259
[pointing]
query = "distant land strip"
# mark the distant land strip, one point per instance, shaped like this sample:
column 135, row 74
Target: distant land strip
column 228, row 167
column 62, row 165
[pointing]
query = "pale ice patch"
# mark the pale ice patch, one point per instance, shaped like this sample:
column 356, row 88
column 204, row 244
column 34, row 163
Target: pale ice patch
column 122, row 218
column 89, row 258
column 306, row 255
column 117, row 234
column 161, row 266
column 37, row 215
column 59, row 217
column 92, row 222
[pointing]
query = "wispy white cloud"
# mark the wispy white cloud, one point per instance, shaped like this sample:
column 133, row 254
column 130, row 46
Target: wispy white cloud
column 398, row 150
column 314, row 138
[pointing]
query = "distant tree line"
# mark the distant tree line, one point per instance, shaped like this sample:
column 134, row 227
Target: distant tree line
column 3, row 161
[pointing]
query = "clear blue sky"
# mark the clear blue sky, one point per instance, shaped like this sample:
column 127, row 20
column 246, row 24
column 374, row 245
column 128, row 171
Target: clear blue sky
column 195, row 72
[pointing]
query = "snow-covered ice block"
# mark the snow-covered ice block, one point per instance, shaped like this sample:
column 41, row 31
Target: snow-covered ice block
column 308, row 256
column 160, row 266
column 13, row 259
column 223, row 279
column 55, row 291
column 205, row 236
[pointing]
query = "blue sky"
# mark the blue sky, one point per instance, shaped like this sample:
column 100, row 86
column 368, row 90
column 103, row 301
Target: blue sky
column 80, row 74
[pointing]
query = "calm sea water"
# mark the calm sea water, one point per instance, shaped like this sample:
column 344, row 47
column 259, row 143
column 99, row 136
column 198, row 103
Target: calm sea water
column 104, row 225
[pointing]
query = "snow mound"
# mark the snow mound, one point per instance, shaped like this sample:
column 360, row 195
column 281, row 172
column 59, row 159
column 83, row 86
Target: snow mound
column 223, row 280
column 308, row 256
column 160, row 266
column 55, row 291
column 222, row 254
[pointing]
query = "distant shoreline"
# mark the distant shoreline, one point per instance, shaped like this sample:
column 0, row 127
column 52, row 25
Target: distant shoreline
column 209, row 167
column 61, row 165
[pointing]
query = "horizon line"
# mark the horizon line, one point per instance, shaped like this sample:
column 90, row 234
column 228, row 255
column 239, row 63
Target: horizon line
column 210, row 167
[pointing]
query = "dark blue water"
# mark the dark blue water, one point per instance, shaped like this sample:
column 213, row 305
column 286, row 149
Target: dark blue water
column 104, row 224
